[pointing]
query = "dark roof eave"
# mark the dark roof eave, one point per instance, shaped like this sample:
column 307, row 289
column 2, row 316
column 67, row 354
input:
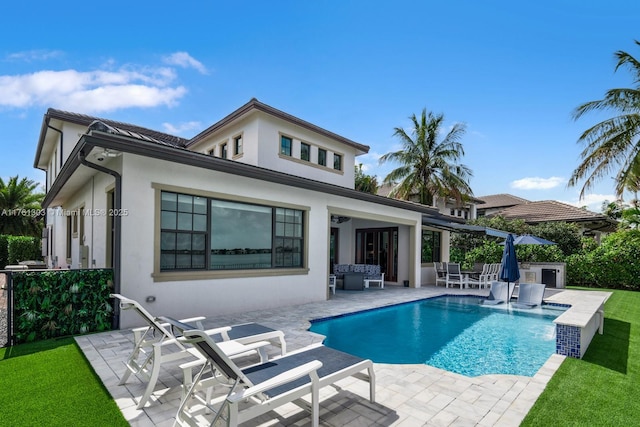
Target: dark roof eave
column 191, row 158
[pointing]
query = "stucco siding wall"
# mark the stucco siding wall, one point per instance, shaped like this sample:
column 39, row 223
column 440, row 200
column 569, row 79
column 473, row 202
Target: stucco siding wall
column 270, row 130
column 221, row 296
column 92, row 225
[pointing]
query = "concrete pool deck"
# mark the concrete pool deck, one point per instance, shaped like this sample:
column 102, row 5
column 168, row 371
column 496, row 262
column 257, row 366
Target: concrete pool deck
column 406, row 395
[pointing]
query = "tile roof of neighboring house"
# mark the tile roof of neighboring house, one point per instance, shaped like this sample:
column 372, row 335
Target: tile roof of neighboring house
column 500, row 200
column 549, row 210
column 385, row 189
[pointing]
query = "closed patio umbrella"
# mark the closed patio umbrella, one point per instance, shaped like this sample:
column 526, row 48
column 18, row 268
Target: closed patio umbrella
column 509, row 271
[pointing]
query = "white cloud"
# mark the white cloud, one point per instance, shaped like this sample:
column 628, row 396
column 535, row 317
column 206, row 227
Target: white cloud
column 181, row 127
column 91, row 91
column 537, row 183
column 34, row 55
column 184, row 60
column 593, row 202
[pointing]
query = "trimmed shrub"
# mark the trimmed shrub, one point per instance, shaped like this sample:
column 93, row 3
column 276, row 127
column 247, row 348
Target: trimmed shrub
column 614, row 264
column 23, row 248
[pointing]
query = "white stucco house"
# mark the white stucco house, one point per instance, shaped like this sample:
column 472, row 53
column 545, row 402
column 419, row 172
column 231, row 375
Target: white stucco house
column 251, row 213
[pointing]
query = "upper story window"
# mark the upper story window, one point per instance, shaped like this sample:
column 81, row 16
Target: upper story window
column 285, row 145
column 224, row 151
column 337, row 162
column 212, row 152
column 237, row 145
column 305, row 151
column 322, row 157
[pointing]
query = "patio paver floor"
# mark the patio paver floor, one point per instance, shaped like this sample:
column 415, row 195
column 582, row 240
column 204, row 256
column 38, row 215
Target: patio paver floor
column 406, row 395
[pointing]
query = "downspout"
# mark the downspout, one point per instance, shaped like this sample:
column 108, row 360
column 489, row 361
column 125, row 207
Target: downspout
column 61, row 143
column 117, row 221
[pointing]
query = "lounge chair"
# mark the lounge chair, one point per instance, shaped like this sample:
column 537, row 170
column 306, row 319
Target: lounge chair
column 253, row 391
column 530, row 295
column 499, row 293
column 156, row 344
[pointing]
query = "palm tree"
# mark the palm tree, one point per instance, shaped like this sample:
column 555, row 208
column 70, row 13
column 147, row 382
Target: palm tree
column 365, row 183
column 20, row 207
column 613, row 144
column 429, row 168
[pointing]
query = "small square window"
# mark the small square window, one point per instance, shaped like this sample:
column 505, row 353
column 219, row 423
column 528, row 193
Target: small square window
column 322, row 157
column 305, row 151
column 285, row 145
column 337, row 162
column 212, row 152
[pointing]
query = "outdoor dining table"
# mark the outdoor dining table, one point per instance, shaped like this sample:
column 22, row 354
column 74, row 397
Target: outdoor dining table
column 466, row 274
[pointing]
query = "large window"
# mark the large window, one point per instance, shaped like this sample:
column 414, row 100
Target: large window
column 236, row 235
column 285, row 145
column 430, row 246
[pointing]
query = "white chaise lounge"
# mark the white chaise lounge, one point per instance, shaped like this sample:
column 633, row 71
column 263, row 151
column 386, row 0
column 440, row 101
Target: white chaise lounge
column 156, row 344
column 499, row 293
column 530, row 295
column 253, row 391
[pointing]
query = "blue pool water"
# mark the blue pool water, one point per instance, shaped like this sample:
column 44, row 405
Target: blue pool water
column 451, row 332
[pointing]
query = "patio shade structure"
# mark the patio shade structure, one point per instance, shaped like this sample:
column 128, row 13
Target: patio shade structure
column 509, row 271
column 528, row 239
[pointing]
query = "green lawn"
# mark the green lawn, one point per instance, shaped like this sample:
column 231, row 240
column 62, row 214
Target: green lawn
column 50, row 383
column 603, row 388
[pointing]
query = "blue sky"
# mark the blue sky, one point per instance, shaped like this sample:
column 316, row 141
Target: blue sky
column 512, row 71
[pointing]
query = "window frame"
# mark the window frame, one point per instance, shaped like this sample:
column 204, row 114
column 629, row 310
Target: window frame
column 322, row 157
column 238, row 145
column 337, row 158
column 304, row 145
column 436, row 246
column 286, row 149
column 164, row 275
column 224, row 150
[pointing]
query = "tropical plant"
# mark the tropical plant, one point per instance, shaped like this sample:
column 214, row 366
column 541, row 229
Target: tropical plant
column 613, row 144
column 429, row 167
column 20, row 207
column 613, row 210
column 567, row 236
column 630, row 218
column 365, row 183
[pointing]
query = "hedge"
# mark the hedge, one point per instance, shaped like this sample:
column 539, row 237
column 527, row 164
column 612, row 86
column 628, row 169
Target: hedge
column 14, row 249
column 54, row 303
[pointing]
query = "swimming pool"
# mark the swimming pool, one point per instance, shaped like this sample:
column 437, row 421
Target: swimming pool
column 454, row 333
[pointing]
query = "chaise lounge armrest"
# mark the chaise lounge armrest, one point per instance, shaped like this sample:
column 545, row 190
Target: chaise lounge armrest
column 310, row 369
